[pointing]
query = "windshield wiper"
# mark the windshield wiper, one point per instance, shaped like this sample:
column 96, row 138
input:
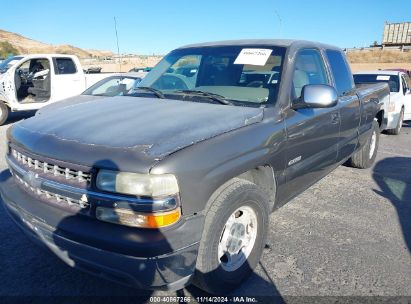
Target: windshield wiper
column 219, row 98
column 156, row 92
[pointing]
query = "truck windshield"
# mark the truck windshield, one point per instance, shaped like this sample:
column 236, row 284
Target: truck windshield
column 392, row 80
column 9, row 62
column 245, row 75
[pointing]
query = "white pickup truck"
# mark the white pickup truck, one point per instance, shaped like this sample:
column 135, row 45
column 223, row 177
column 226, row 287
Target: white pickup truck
column 398, row 107
column 29, row 82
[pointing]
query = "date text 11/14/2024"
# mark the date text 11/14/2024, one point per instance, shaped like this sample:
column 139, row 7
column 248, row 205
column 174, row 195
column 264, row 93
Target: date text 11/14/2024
column 202, row 299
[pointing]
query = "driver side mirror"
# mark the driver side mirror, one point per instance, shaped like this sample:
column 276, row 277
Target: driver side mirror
column 317, row 96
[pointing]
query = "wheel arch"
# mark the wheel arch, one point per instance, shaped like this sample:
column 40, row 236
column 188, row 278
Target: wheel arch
column 380, row 118
column 263, row 176
column 4, row 113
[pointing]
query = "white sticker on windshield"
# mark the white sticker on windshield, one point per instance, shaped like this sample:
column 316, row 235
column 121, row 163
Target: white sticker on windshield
column 253, row 56
column 383, row 77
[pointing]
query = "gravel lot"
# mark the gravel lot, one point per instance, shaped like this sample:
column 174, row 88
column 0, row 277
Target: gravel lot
column 348, row 235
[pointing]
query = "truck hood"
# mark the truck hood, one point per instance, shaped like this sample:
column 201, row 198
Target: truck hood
column 68, row 102
column 127, row 133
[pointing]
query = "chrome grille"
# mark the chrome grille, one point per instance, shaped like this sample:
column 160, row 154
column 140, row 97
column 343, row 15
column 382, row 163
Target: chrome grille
column 53, row 196
column 47, row 168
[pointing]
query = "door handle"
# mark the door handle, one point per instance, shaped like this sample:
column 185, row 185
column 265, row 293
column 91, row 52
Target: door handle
column 375, row 100
column 335, row 118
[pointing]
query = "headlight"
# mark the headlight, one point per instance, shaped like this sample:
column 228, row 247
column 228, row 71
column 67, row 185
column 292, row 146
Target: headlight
column 391, row 106
column 137, row 184
column 164, row 187
column 131, row 218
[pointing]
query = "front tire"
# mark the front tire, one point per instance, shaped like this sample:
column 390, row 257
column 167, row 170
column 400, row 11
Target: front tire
column 4, row 113
column 234, row 237
column 397, row 129
column 365, row 157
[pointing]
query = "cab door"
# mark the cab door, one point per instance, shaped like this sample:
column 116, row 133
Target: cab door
column 312, row 134
column 348, row 103
column 68, row 79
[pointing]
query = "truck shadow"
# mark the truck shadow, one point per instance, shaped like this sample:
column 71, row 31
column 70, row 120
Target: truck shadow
column 393, row 178
column 46, row 276
column 264, row 289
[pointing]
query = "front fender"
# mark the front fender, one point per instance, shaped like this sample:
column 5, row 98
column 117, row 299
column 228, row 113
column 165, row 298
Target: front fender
column 202, row 168
column 6, row 89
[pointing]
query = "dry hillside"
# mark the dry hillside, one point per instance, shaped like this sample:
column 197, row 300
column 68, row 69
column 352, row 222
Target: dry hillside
column 26, row 45
column 379, row 59
column 379, row 56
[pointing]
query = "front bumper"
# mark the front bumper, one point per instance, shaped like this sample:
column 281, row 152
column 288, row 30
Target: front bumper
column 142, row 258
column 384, row 124
column 392, row 120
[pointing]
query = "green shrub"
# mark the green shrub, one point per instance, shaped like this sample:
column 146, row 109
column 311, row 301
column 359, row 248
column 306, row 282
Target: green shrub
column 6, row 49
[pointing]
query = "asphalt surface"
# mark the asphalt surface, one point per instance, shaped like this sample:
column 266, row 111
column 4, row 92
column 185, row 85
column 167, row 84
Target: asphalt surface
column 348, row 235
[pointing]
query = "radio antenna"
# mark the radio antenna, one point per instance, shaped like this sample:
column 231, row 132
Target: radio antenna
column 280, row 21
column 118, row 48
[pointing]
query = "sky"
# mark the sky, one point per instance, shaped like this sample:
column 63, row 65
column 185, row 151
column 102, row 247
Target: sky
column 158, row 26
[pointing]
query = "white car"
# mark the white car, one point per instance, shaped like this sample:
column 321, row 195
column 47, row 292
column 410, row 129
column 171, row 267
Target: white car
column 29, row 82
column 398, row 107
column 116, row 85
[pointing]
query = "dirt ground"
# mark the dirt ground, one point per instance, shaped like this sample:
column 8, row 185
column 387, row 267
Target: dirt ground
column 126, row 63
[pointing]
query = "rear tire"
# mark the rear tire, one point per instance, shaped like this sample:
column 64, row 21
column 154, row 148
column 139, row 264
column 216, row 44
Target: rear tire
column 4, row 113
column 365, row 157
column 397, row 129
column 234, row 237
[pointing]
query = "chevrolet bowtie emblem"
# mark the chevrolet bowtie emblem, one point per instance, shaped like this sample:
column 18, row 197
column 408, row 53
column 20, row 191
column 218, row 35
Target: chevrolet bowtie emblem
column 83, row 201
column 84, row 198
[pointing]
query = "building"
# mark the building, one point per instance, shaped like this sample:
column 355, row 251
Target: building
column 397, row 34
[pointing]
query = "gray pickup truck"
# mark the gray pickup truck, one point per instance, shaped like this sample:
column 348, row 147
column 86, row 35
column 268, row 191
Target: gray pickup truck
column 174, row 184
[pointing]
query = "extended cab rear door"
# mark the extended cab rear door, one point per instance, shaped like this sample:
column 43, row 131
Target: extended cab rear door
column 68, row 78
column 348, row 103
column 312, row 134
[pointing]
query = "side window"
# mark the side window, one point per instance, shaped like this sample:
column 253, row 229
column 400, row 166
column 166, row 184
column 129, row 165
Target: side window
column 404, row 85
column 341, row 72
column 33, row 66
column 64, row 66
column 309, row 69
column 25, row 67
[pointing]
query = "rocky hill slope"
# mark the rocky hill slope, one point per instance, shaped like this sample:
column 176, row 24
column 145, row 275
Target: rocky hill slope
column 26, row 45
